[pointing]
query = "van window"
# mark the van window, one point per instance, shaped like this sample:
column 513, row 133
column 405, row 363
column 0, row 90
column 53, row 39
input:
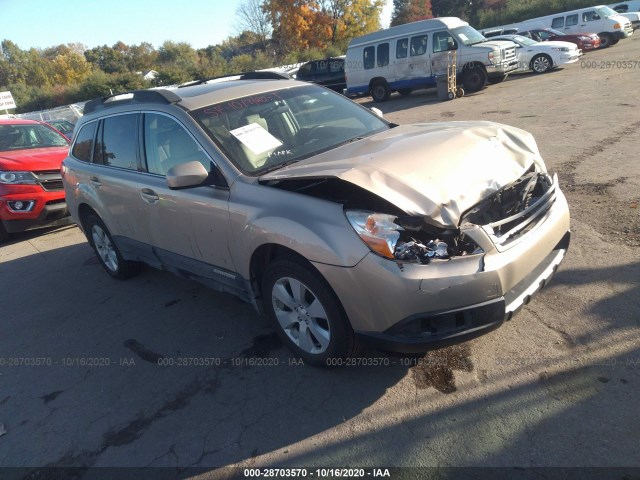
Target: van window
column 443, row 41
column 418, row 45
column 368, row 57
column 572, row 20
column 590, row 16
column 383, row 54
column 118, row 146
column 402, row 48
column 557, row 22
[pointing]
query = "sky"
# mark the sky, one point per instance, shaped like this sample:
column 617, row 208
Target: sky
column 47, row 23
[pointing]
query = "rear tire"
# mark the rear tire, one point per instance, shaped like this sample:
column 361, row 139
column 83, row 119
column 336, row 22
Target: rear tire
column 306, row 312
column 380, row 91
column 108, row 254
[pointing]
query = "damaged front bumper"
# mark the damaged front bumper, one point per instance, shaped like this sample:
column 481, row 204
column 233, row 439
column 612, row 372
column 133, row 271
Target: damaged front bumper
column 409, row 307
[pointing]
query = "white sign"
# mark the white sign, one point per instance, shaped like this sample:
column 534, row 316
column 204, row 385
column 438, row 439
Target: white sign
column 256, row 138
column 6, row 101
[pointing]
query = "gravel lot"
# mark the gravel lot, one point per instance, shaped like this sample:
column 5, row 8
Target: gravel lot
column 555, row 387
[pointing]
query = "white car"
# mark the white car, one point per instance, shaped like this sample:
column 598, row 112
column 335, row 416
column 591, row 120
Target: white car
column 541, row 57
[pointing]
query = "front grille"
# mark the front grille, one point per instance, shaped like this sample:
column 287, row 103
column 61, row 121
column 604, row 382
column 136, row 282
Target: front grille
column 628, row 28
column 50, row 180
column 509, row 53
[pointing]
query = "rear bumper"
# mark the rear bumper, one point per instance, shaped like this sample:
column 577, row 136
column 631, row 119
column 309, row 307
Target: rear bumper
column 437, row 329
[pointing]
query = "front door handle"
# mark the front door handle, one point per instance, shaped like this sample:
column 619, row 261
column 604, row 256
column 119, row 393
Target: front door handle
column 149, row 195
column 95, row 181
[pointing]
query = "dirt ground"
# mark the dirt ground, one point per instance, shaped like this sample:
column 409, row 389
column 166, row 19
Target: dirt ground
column 555, row 387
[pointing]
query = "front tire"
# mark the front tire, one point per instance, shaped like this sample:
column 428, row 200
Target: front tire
column 108, row 254
column 306, row 312
column 474, row 79
column 606, row 40
column 380, row 91
column 541, row 63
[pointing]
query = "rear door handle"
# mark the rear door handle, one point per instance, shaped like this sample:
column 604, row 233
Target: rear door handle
column 95, row 181
column 149, row 195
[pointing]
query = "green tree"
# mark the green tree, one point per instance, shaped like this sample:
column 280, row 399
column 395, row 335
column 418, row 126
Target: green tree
column 107, row 59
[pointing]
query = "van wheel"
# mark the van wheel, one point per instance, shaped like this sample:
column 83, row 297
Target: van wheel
column 380, row 91
column 108, row 254
column 306, row 312
column 606, row 40
column 541, row 63
column 474, row 79
column 405, row 91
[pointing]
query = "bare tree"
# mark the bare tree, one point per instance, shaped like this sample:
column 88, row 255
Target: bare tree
column 250, row 16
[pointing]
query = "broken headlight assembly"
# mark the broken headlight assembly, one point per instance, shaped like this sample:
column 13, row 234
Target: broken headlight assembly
column 409, row 239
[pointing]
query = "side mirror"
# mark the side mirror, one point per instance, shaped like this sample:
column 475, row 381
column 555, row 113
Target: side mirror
column 377, row 111
column 188, row 174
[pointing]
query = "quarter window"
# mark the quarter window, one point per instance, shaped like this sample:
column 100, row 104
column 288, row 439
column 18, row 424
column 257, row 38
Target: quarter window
column 369, row 57
column 383, row 54
column 84, row 142
column 402, row 48
column 117, row 147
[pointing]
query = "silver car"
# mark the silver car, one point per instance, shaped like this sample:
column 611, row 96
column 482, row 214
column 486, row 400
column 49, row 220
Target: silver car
column 341, row 227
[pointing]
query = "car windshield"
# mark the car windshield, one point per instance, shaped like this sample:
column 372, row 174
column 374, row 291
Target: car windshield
column 20, row 137
column 264, row 132
column 522, row 40
column 468, row 35
column 605, row 12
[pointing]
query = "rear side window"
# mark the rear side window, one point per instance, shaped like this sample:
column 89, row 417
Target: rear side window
column 557, row 22
column 368, row 57
column 383, row 54
column 117, row 147
column 402, row 48
column 418, row 45
column 84, row 142
column 572, row 20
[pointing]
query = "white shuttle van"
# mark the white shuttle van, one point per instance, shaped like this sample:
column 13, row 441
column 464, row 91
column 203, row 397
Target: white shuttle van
column 630, row 10
column 410, row 56
column 610, row 26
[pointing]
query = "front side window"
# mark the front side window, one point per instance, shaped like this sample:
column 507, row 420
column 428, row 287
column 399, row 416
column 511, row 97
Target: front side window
column 117, row 144
column 84, row 142
column 402, row 48
column 590, row 16
column 28, row 136
column 368, row 57
column 443, row 42
column 167, row 144
column 267, row 131
column 572, row 20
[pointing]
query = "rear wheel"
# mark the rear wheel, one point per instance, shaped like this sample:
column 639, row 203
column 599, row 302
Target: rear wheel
column 541, row 63
column 306, row 312
column 380, row 91
column 474, row 79
column 108, row 254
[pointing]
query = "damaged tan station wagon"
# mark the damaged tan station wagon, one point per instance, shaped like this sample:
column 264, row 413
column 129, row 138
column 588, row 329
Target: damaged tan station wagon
column 340, row 226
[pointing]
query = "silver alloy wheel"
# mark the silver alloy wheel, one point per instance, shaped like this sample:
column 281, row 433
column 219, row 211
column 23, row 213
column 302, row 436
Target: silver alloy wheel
column 105, row 248
column 541, row 64
column 301, row 315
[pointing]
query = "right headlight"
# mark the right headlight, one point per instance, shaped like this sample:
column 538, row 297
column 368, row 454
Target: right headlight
column 17, row 178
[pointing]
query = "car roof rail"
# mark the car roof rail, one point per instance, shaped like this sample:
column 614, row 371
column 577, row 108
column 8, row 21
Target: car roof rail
column 268, row 75
column 135, row 96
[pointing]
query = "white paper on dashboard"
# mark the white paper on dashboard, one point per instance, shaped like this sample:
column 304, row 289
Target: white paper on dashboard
column 256, row 138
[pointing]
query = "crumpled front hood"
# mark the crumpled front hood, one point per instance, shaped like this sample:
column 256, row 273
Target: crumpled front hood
column 437, row 170
column 34, row 159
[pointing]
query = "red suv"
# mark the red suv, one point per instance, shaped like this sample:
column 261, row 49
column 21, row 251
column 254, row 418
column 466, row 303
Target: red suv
column 31, row 191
